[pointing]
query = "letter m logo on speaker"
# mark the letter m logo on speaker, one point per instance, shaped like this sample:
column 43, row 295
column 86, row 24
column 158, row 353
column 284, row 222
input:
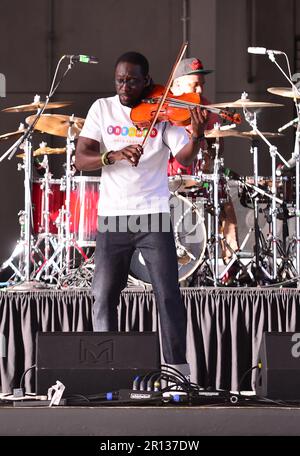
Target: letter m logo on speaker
column 101, row 353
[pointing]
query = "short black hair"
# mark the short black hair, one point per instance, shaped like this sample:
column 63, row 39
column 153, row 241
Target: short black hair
column 137, row 59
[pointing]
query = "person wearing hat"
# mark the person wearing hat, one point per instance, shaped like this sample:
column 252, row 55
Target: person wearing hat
column 190, row 78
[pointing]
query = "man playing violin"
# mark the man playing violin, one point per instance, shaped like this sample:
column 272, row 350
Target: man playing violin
column 133, row 210
column 190, row 78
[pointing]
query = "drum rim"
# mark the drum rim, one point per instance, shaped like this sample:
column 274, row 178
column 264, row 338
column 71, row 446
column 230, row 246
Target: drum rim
column 185, row 177
column 40, row 180
column 86, row 178
column 202, row 224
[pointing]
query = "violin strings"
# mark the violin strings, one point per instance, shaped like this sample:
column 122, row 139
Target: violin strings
column 174, row 103
column 177, row 103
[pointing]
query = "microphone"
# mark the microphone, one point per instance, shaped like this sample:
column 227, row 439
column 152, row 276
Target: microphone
column 262, row 50
column 287, row 125
column 285, row 169
column 83, row 58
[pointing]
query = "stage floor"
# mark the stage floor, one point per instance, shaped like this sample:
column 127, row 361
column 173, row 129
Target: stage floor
column 175, row 421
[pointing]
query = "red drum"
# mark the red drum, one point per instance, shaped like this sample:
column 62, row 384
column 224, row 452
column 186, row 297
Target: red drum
column 83, row 208
column 56, row 199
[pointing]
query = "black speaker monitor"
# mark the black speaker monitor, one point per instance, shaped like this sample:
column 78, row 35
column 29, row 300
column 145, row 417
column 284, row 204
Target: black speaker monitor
column 94, row 362
column 278, row 376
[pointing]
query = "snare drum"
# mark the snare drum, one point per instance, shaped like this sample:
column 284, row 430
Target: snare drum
column 56, row 199
column 83, row 209
column 189, row 185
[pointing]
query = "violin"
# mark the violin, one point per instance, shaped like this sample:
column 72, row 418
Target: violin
column 175, row 109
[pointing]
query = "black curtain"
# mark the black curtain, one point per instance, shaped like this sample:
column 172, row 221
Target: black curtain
column 224, row 327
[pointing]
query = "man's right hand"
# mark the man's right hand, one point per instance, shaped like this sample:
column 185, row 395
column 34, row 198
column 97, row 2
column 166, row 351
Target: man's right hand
column 87, row 157
column 131, row 153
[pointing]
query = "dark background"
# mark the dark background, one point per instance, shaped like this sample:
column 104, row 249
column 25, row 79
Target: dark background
column 36, row 33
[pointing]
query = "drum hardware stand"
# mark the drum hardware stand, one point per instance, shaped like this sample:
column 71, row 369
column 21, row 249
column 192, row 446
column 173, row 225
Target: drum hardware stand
column 26, row 283
column 213, row 220
column 260, row 271
column 213, row 223
column 69, row 174
column 49, row 240
column 18, row 250
column 297, row 157
column 295, row 154
column 295, row 243
column 216, row 237
column 66, row 241
column 251, row 119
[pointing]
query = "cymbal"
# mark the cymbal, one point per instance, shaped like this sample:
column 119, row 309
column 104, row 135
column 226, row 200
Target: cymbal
column 245, row 103
column 35, row 106
column 284, row 92
column 253, row 134
column 57, row 124
column 216, row 133
column 12, row 135
column 46, row 151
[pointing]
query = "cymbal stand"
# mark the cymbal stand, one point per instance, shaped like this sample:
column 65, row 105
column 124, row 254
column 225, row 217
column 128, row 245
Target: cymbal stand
column 251, row 119
column 27, row 207
column 216, row 210
column 69, row 174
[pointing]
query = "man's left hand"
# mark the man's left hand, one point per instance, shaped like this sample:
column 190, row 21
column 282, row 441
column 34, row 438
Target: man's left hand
column 199, row 118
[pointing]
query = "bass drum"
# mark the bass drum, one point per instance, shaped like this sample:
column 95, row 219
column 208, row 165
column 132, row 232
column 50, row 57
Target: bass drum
column 190, row 238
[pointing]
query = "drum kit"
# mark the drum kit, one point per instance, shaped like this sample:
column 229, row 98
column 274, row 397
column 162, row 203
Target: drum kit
column 59, row 220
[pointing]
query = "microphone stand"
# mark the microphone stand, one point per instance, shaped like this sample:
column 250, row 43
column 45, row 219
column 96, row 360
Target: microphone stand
column 69, row 174
column 25, row 139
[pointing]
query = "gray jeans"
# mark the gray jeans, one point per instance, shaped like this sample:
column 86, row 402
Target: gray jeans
column 114, row 249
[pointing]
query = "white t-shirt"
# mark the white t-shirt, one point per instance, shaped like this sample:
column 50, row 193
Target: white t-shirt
column 125, row 189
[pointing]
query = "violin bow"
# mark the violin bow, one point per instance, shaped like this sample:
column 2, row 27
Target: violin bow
column 167, row 88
